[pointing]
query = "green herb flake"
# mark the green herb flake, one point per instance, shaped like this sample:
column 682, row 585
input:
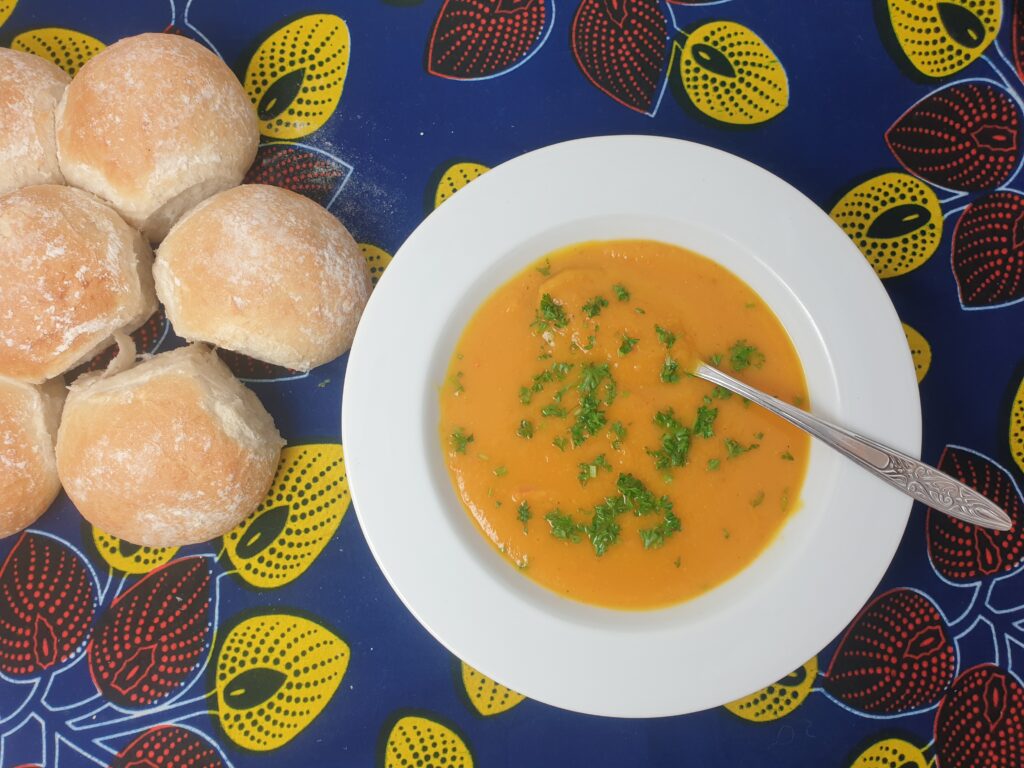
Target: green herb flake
column 677, row 562
column 750, row 305
column 670, row 370
column 550, row 313
column 619, row 432
column 725, row 533
column 544, row 356
column 523, row 513
column 785, row 499
column 653, row 538
column 734, row 449
column 546, row 269
column 525, row 396
column 759, row 435
column 640, row 310
column 620, row 292
column 525, row 430
column 715, row 360
column 591, row 340
column 554, row 410
column 705, row 423
column 758, row 499
column 786, row 456
column 675, row 442
column 713, row 464
column 457, row 386
column 627, row 345
column 460, row 440
column 798, row 401
column 560, row 443
column 589, row 471
column 563, row 526
column 743, row 355
column 639, row 499
column 665, row 337
column 593, row 307
column 721, row 393
column 500, row 471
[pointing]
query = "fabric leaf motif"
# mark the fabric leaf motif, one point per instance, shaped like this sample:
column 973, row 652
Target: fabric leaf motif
column 297, row 74
column 891, row 753
column 895, row 657
column 66, row 48
column 303, row 508
column 475, row 39
column 966, row 136
column 941, row 37
column 920, row 351
column 306, row 170
column 6, row 8
column 127, row 557
column 621, row 46
column 964, row 553
column 1017, row 427
column 981, row 721
column 169, row 746
column 1017, row 38
column 377, row 259
column 426, row 743
column 154, row 636
column 47, row 602
column 487, row 696
column 894, row 219
column 731, row 75
column 454, row 178
column 778, row 699
column 275, row 673
column 988, row 251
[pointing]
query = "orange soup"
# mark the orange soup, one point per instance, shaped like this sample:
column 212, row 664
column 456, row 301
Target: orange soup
column 584, row 451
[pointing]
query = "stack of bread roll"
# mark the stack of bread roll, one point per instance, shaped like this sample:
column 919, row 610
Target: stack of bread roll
column 145, row 148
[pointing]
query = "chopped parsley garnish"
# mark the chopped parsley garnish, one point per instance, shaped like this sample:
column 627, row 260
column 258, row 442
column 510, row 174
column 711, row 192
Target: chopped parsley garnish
column 544, row 356
column 721, row 393
column 640, row 310
column 589, row 416
column 589, row 471
column 525, row 396
column 554, row 410
column 620, row 434
column 713, row 464
column 750, row 304
column 785, row 499
column 725, row 533
column 670, row 370
column 457, row 385
column 560, row 443
column 460, row 440
column 665, row 337
column 603, row 530
column 734, row 449
column 786, row 456
column 639, row 498
column 677, row 562
column 500, row 471
column 675, row 441
column 759, row 435
column 743, row 355
column 525, row 430
column 715, row 360
column 627, row 345
column 798, row 401
column 546, row 269
column 562, row 526
column 557, row 372
column 653, row 538
column 523, row 513
column 758, row 499
column 591, row 340
column 620, row 292
column 550, row 313
column 593, row 307
column 705, row 424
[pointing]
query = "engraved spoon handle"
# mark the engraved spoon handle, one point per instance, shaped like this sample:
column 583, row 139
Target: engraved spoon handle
column 918, row 480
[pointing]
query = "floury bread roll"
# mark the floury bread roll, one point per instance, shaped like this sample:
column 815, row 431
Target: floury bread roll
column 171, row 452
column 28, row 470
column 266, row 272
column 72, row 274
column 30, row 88
column 154, row 124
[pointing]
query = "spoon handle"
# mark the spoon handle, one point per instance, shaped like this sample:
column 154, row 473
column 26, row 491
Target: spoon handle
column 918, row 480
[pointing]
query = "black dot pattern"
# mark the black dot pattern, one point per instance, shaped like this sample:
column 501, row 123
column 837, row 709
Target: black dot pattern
column 891, row 753
column 418, row 742
column 488, row 696
column 455, row 178
column 377, row 259
column 778, row 699
column 928, row 42
column 66, row 48
column 130, row 559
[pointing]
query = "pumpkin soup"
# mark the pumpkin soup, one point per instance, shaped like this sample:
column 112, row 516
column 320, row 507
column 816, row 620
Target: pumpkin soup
column 585, row 453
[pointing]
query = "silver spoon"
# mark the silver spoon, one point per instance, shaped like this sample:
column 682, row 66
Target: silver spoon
column 918, row 480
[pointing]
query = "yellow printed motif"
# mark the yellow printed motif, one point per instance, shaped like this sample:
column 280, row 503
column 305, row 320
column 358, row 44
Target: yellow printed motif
column 779, row 699
column 6, row 7
column 920, row 351
column 130, row 558
column 894, row 219
column 421, row 742
column 377, row 259
column 275, row 673
column 1017, row 427
column 303, row 508
column 455, row 178
column 487, row 696
column 731, row 75
column 297, row 74
column 941, row 37
column 891, row 753
column 66, row 48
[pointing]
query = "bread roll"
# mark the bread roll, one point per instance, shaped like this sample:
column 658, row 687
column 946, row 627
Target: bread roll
column 173, row 451
column 28, row 470
column 72, row 274
column 154, row 124
column 30, row 88
column 265, row 272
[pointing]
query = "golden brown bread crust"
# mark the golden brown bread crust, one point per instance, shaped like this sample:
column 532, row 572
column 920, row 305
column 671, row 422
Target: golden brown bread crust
column 266, row 272
column 154, row 124
column 73, row 274
column 30, row 88
column 28, row 469
column 174, row 451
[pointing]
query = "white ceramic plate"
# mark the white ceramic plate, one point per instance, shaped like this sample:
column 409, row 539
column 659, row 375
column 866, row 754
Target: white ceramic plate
column 755, row 628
